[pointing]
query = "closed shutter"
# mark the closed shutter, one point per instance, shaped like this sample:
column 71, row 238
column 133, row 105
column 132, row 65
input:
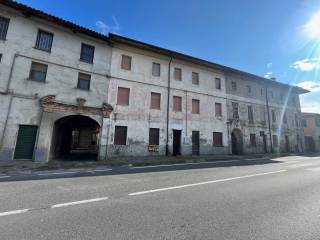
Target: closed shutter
column 177, row 104
column 195, row 106
column 155, row 100
column 25, row 142
column 120, row 136
column 123, row 96
column 154, row 136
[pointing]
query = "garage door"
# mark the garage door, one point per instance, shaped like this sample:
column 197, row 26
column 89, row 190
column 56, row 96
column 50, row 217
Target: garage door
column 25, row 142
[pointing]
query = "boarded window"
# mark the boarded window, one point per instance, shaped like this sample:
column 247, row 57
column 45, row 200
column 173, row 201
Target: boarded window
column 195, row 106
column 87, row 53
column 120, row 135
column 44, row 41
column 217, row 139
column 155, row 100
column 4, row 24
column 218, row 109
column 156, row 69
column 154, row 136
column 126, row 62
column 275, row 140
column 235, row 110
column 234, row 86
column 250, row 114
column 177, row 104
column 123, row 96
column 218, row 83
column 273, row 115
column 195, row 78
column 38, row 72
column 253, row 140
column 84, row 81
column 177, row 74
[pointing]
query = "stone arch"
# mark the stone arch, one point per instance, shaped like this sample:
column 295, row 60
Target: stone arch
column 237, row 141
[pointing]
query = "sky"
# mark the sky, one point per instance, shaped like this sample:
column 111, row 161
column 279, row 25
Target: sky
column 271, row 38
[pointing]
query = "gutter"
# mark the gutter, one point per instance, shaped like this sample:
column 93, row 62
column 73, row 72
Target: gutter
column 168, row 106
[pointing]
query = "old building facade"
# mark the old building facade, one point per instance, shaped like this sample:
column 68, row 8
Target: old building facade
column 67, row 91
column 311, row 125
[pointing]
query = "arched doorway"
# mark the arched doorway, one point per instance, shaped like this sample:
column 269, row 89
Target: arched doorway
column 237, row 141
column 75, row 137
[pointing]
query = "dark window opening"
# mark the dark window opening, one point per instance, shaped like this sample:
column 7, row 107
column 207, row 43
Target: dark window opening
column 44, row 41
column 120, row 135
column 4, row 24
column 154, row 136
column 84, row 81
column 217, row 139
column 87, row 53
column 38, row 72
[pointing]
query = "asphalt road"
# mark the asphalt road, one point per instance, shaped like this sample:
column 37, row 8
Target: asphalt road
column 256, row 199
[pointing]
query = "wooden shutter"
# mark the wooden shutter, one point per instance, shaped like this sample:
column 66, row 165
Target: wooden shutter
column 126, row 62
column 218, row 83
column 155, row 100
column 217, row 139
column 177, row 74
column 218, row 109
column 154, row 136
column 177, row 104
column 195, row 78
column 195, row 106
column 123, row 96
column 120, row 135
column 25, row 142
column 156, row 69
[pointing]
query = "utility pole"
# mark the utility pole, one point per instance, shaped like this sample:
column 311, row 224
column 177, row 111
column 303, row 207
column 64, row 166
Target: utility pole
column 269, row 123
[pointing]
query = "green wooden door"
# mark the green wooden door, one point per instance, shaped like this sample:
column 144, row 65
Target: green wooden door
column 25, row 142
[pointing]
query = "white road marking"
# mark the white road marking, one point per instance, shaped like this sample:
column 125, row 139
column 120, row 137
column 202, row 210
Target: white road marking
column 102, row 170
column 299, row 165
column 182, row 164
column 203, row 183
column 56, row 173
column 13, row 212
column 79, row 202
column 316, row 169
column 4, row 176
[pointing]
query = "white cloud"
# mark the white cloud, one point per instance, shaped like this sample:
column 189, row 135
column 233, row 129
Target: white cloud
column 105, row 28
column 308, row 64
column 310, row 102
column 268, row 75
column 269, row 65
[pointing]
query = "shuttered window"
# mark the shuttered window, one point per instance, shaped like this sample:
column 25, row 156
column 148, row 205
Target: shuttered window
column 177, row 104
column 126, row 62
column 177, row 74
column 218, row 83
column 120, row 135
column 234, row 86
column 195, row 106
column 38, row 72
column 25, row 142
column 217, row 139
column 87, row 53
column 84, row 81
column 155, row 100
column 285, row 121
column 154, row 136
column 195, row 78
column 253, row 140
column 273, row 115
column 123, row 96
column 4, row 24
column 218, row 109
column 235, row 110
column 275, row 140
column 250, row 114
column 156, row 69
column 44, row 41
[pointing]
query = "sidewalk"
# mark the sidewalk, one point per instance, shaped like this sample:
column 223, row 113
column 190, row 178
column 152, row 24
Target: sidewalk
column 15, row 167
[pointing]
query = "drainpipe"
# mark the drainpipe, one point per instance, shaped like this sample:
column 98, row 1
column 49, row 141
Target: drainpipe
column 11, row 98
column 168, row 106
column 269, row 123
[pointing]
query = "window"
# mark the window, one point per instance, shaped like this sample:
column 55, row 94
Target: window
column 234, row 86
column 253, row 140
column 218, row 83
column 38, row 72
column 317, row 120
column 248, row 89
column 285, row 121
column 235, row 110
column 250, row 114
column 195, row 106
column 44, row 41
column 296, row 120
column 126, row 62
column 87, row 53
column 271, row 94
column 218, row 109
column 177, row 104
column 120, row 135
column 4, row 24
column 123, row 96
column 304, row 122
column 217, row 139
column 273, row 115
column 281, row 97
column 195, row 78
column 261, row 91
column 156, row 69
column 275, row 140
column 0, row 57
column 84, row 81
column 155, row 100
column 154, row 136
column 177, row 74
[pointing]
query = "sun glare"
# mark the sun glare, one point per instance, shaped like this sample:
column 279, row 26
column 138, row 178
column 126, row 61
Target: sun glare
column 313, row 27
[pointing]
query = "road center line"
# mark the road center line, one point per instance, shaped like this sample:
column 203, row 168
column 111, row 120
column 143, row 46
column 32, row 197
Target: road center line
column 4, row 176
column 203, row 183
column 55, row 173
column 79, row 202
column 13, row 212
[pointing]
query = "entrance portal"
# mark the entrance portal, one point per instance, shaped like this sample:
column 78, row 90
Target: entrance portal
column 237, row 142
column 75, row 138
column 176, row 142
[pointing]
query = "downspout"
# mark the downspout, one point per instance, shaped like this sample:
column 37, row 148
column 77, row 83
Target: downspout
column 10, row 101
column 269, row 124
column 168, row 106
